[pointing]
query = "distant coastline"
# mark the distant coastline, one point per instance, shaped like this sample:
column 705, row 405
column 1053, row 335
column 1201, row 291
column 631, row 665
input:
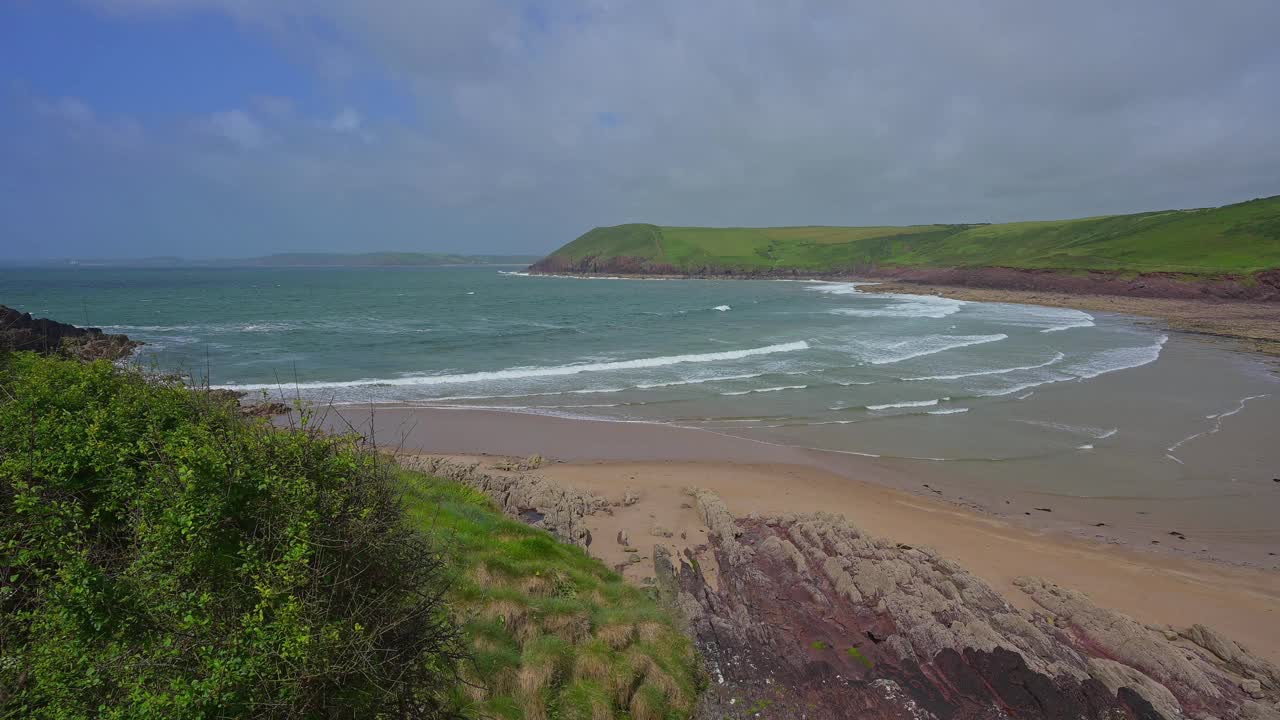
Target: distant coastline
column 290, row 260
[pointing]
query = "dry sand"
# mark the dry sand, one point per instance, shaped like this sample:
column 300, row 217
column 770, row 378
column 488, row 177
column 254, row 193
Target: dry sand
column 1159, row 590
column 659, row 462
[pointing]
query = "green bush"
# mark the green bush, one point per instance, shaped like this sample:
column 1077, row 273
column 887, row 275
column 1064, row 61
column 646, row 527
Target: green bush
column 160, row 557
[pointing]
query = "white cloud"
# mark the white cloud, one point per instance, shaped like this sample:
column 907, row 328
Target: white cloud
column 738, row 112
column 236, row 127
column 348, row 120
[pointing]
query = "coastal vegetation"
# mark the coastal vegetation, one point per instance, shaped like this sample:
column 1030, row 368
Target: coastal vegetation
column 1238, row 239
column 164, row 556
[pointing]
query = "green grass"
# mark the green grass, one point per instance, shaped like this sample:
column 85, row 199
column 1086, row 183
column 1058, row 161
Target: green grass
column 554, row 633
column 165, row 557
column 1234, row 239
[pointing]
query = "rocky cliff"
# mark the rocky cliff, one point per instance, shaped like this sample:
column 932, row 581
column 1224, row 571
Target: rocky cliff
column 20, row 331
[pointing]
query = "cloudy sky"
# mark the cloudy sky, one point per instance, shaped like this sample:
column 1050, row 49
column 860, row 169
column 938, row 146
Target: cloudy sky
column 239, row 127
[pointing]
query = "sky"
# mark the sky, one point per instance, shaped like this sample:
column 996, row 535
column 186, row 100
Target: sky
column 228, row 128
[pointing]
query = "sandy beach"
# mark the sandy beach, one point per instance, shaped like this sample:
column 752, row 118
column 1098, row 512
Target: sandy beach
column 1116, row 564
column 1254, row 324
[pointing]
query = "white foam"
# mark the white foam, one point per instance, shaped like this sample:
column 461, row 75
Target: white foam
column 722, row 308
column 904, row 404
column 1101, row 363
column 886, row 352
column 1058, row 357
column 1094, row 432
column 1017, row 388
column 519, row 373
column 1217, row 422
column 1108, row 361
column 948, row 411
column 835, row 288
column 1085, row 447
column 146, row 328
column 768, row 389
column 904, row 306
column 1046, row 319
column 1070, row 326
column 698, row 381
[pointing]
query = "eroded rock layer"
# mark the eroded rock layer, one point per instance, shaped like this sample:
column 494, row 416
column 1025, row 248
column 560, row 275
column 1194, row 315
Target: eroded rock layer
column 813, row 619
column 804, row 616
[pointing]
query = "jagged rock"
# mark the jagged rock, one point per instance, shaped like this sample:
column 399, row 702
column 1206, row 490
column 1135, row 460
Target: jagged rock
column 623, row 537
column 812, row 618
column 630, row 497
column 1235, row 657
column 20, row 331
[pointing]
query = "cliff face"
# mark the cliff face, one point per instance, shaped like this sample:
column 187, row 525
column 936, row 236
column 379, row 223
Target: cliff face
column 20, row 331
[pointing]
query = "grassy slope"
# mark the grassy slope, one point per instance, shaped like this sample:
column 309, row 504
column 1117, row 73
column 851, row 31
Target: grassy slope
column 554, row 633
column 1239, row 238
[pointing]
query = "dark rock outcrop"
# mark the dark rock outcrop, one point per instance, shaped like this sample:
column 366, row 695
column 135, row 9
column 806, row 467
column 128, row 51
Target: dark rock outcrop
column 20, row 331
column 808, row 617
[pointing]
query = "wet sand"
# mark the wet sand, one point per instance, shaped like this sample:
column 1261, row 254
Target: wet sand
column 1158, row 590
column 1158, row 584
column 1255, row 324
column 1238, row 528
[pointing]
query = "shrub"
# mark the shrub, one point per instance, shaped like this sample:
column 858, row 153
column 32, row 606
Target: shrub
column 161, row 557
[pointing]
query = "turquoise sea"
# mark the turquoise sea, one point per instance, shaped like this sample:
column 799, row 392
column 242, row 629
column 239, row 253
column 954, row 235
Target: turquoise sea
column 1106, row 398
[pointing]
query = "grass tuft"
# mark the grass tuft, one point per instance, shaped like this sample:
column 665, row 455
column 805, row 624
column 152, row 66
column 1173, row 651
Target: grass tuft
column 555, row 634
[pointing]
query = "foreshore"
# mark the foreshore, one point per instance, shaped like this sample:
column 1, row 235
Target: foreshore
column 1256, row 325
column 1158, row 585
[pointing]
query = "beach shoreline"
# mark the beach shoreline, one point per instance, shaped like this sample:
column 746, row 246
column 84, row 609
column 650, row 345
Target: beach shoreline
column 1203, row 529
column 651, row 506
column 1254, row 325
column 1159, row 585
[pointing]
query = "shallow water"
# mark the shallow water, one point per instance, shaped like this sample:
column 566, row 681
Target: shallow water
column 1052, row 399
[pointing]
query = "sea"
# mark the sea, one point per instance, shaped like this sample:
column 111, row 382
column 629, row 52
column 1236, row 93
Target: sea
column 1060, row 400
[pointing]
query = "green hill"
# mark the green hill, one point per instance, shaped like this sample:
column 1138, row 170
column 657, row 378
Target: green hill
column 1238, row 239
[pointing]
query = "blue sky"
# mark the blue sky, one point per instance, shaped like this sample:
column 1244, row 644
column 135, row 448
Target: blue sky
column 131, row 128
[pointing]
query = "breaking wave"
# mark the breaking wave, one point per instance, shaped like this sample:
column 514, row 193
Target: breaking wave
column 765, row 390
column 1058, row 357
column 904, row 404
column 885, row 352
column 520, row 373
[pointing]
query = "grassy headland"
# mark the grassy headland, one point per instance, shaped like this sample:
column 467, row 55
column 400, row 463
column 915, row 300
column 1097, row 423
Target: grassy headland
column 1237, row 241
